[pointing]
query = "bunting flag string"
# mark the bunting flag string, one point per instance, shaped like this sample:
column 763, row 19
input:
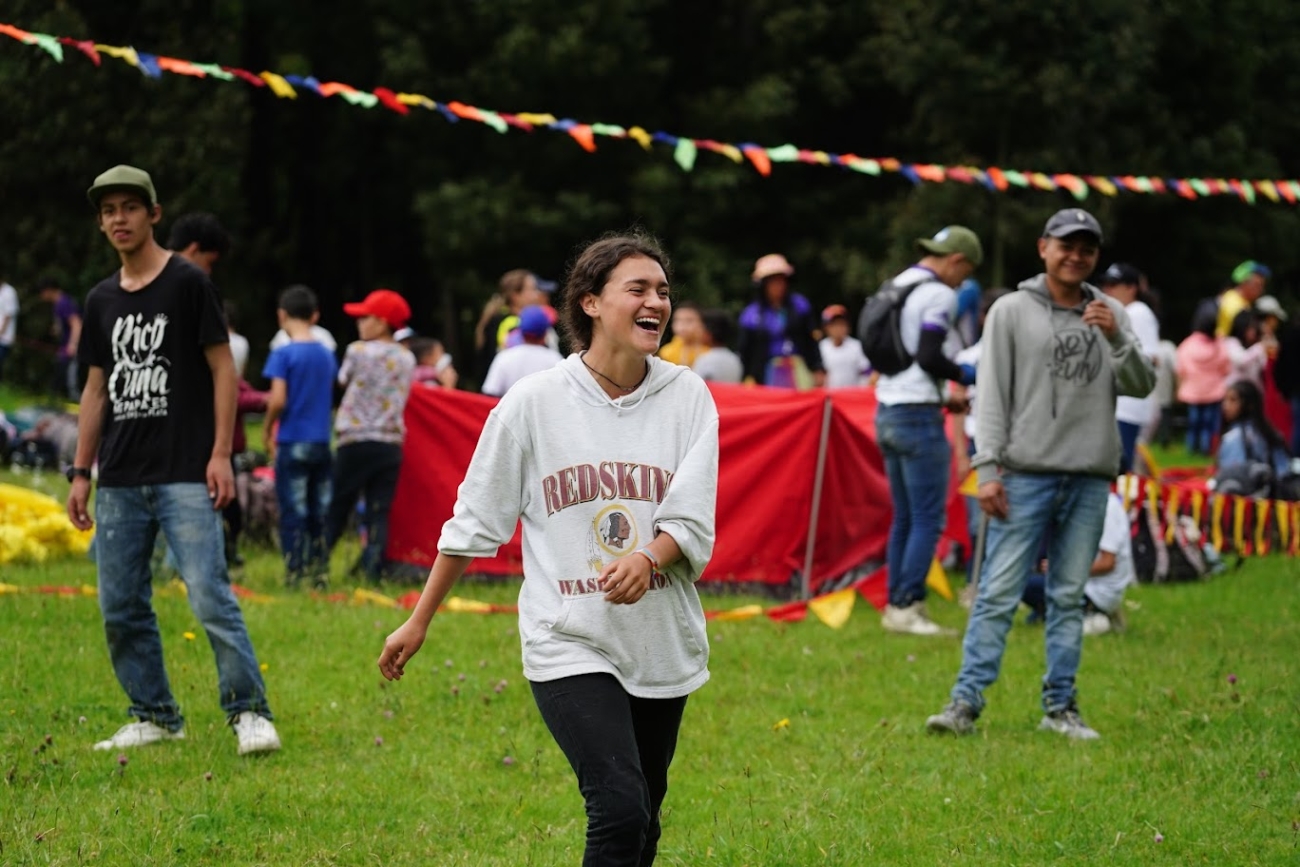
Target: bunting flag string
column 685, row 150
column 1234, row 524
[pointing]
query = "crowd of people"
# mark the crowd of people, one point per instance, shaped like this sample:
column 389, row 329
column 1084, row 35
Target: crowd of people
column 1054, row 387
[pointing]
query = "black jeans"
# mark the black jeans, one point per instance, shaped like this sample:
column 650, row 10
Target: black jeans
column 368, row 469
column 620, row 747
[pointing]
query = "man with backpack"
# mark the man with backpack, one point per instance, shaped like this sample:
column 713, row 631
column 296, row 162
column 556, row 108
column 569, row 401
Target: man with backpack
column 1057, row 353
column 910, row 416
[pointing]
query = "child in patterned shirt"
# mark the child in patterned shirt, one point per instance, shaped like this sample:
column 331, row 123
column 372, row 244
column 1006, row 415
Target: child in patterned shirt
column 376, row 374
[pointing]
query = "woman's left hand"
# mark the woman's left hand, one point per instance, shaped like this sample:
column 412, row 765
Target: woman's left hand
column 626, row 579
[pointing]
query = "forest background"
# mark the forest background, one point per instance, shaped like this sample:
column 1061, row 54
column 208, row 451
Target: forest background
column 346, row 200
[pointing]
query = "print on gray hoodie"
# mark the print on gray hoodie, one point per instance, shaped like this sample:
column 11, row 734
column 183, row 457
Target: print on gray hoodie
column 1048, row 383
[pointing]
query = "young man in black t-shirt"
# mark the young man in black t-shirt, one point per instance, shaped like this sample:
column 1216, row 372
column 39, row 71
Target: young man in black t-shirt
column 157, row 411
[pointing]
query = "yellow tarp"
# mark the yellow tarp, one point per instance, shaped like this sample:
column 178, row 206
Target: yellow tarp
column 35, row 527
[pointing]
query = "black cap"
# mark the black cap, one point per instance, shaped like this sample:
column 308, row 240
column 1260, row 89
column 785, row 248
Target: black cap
column 1069, row 222
column 1121, row 274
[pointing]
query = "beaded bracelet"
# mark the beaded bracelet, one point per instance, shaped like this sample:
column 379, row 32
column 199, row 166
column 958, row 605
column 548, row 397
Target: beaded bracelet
column 654, row 561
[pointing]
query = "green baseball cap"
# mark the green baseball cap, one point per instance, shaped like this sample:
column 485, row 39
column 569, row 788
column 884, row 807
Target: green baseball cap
column 954, row 239
column 127, row 179
column 1247, row 269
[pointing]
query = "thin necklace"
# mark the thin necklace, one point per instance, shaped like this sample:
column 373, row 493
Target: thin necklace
column 623, row 389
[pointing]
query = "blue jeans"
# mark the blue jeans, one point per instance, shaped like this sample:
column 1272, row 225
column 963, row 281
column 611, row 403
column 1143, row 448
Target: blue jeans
column 303, row 481
column 1128, row 440
column 1074, row 509
column 128, row 523
column 1202, row 425
column 918, row 459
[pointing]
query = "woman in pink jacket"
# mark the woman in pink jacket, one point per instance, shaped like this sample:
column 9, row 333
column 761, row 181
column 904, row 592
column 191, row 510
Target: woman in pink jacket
column 1203, row 366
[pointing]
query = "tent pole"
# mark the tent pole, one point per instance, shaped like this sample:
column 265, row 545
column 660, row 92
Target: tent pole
column 815, row 512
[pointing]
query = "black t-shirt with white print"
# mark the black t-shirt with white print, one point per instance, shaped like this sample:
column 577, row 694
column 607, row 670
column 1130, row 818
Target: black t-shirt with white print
column 159, row 421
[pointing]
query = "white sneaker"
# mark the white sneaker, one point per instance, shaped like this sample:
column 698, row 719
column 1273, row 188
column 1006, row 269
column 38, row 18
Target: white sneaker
column 912, row 620
column 138, row 734
column 1096, row 623
column 256, row 734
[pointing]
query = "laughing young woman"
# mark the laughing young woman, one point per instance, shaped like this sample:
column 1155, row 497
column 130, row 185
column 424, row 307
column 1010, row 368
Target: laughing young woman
column 611, row 461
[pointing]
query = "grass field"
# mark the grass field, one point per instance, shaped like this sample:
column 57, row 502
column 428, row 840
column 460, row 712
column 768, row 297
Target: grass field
column 443, row 768
column 1197, row 704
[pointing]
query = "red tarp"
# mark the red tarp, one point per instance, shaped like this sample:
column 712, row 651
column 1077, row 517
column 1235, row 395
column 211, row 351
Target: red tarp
column 768, row 441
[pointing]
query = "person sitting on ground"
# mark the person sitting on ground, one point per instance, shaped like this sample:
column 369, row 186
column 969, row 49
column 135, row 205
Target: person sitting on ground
column 842, row 356
column 1252, row 455
column 1111, row 574
column 531, row 356
column 433, row 365
column 717, row 363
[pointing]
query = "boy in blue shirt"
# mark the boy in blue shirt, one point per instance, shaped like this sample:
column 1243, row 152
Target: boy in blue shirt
column 302, row 391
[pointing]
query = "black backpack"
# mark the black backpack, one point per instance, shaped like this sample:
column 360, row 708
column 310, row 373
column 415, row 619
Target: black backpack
column 1156, row 561
column 879, row 330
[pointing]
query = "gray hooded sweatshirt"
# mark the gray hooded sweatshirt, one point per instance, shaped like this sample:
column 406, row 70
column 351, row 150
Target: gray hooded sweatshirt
column 1048, row 383
column 593, row 479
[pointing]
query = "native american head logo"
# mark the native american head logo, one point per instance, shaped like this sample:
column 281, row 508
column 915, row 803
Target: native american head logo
column 615, row 531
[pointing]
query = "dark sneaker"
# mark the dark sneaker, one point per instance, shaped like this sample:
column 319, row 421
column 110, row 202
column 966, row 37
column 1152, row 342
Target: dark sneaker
column 958, row 718
column 1068, row 722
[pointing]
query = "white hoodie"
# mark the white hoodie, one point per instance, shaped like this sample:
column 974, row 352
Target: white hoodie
column 593, row 479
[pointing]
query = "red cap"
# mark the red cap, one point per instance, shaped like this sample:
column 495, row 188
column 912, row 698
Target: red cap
column 835, row 311
column 384, row 303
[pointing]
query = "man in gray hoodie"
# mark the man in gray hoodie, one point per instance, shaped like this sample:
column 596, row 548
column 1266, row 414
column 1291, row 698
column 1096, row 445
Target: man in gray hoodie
column 1056, row 355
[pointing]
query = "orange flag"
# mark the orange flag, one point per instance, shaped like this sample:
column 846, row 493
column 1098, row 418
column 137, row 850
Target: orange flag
column 583, row 135
column 744, row 612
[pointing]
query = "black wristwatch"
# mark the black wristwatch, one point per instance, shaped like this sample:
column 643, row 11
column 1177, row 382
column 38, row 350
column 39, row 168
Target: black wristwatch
column 77, row 473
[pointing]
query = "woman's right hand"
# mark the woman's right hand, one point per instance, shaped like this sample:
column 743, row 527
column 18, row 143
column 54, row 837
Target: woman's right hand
column 403, row 644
